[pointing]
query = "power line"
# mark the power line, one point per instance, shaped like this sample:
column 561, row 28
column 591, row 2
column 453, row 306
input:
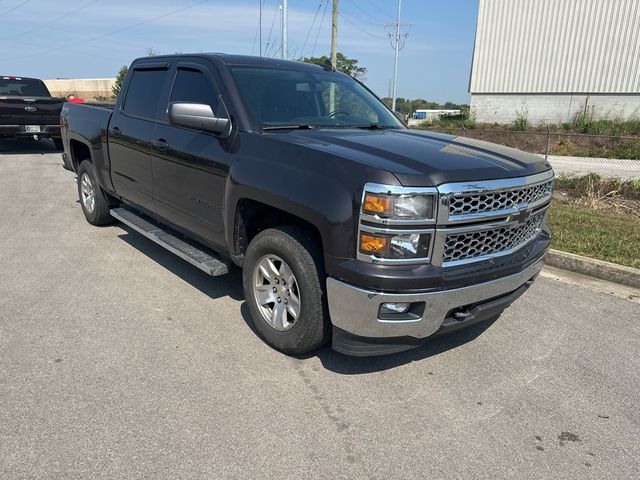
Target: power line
column 46, row 24
column 258, row 28
column 355, row 18
column 380, row 10
column 320, row 27
column 378, row 21
column 311, row 27
column 344, row 17
column 273, row 23
column 14, row 8
column 113, row 32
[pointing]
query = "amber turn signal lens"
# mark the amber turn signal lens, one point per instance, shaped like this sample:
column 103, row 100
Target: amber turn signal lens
column 377, row 204
column 373, row 243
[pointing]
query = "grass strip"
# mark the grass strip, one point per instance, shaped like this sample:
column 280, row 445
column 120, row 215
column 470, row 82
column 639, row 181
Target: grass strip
column 613, row 237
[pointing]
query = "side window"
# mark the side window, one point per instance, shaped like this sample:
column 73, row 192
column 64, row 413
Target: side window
column 144, row 91
column 194, row 86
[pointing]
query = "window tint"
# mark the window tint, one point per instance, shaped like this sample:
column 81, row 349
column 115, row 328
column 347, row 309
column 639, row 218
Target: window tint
column 193, row 86
column 23, row 87
column 144, row 92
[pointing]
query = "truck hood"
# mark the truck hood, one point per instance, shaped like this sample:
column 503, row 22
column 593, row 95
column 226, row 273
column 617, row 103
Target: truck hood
column 421, row 158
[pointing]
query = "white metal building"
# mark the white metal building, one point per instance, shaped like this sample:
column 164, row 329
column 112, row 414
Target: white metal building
column 552, row 58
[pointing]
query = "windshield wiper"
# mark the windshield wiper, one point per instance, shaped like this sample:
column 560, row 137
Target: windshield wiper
column 374, row 126
column 302, row 126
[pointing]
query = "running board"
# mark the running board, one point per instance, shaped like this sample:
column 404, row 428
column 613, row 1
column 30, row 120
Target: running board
column 199, row 258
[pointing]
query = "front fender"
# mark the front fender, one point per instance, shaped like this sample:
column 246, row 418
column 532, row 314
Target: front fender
column 319, row 199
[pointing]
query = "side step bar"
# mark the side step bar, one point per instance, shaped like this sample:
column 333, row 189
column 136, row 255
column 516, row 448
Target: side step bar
column 199, row 258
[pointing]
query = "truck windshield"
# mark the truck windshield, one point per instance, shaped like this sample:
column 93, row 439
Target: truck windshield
column 302, row 98
column 23, row 87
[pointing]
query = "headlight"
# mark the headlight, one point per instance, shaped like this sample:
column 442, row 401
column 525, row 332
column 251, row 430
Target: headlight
column 396, row 224
column 400, row 206
column 395, row 246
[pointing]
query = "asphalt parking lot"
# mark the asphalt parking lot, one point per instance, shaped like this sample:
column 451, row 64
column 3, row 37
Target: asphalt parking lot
column 119, row 360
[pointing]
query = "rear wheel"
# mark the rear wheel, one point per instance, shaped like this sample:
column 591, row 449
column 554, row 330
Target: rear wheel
column 283, row 282
column 93, row 201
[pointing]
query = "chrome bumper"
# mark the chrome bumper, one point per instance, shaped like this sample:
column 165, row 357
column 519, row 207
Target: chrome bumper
column 355, row 310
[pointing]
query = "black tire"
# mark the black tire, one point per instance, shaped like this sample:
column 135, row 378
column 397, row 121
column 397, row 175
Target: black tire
column 302, row 254
column 99, row 214
column 57, row 142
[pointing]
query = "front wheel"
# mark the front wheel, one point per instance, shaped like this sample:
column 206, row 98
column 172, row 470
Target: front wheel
column 283, row 282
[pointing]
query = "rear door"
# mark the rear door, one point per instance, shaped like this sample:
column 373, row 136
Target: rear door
column 131, row 131
column 190, row 167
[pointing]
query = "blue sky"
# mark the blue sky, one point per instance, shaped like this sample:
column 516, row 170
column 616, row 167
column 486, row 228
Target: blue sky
column 46, row 39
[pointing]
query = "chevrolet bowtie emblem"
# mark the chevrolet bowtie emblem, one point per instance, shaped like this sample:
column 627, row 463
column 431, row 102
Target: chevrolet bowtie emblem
column 521, row 214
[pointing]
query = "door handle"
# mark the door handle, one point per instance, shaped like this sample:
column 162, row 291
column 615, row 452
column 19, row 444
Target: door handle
column 160, row 143
column 115, row 131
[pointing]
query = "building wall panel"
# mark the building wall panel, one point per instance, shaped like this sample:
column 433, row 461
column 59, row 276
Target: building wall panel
column 554, row 108
column 557, row 46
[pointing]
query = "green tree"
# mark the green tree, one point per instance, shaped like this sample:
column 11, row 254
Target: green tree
column 343, row 64
column 119, row 79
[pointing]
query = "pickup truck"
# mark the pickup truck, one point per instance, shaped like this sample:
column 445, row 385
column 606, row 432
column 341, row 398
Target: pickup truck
column 27, row 110
column 348, row 226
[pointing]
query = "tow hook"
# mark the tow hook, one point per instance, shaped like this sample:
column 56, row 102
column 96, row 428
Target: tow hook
column 461, row 314
column 35, row 137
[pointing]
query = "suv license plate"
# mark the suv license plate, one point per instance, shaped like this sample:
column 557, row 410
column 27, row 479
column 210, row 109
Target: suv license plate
column 32, row 128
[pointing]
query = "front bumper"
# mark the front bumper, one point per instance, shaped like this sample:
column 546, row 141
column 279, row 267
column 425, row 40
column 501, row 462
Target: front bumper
column 355, row 312
column 20, row 131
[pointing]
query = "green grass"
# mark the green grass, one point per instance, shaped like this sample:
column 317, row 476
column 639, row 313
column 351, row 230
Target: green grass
column 613, row 237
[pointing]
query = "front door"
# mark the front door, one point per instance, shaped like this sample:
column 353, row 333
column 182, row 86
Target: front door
column 190, row 166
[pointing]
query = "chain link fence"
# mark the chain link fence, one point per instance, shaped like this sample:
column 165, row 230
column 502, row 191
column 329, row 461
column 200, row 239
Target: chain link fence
column 570, row 153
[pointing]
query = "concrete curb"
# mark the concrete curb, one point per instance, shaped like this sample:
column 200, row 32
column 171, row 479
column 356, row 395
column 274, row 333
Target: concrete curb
column 594, row 268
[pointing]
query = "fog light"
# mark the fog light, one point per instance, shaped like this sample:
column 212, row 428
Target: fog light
column 399, row 307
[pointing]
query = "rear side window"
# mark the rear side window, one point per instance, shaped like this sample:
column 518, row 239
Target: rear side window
column 194, row 86
column 144, row 91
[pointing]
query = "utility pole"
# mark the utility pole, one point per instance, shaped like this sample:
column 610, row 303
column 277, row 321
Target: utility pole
column 395, row 63
column 334, row 33
column 334, row 53
column 397, row 43
column 284, row 20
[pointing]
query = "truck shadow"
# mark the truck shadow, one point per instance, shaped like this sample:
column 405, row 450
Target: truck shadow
column 12, row 146
column 346, row 365
column 229, row 285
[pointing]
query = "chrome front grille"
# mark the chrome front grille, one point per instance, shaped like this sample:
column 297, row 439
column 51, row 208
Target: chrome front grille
column 492, row 241
column 483, row 202
column 481, row 220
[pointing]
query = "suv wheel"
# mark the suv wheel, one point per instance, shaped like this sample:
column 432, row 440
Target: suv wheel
column 283, row 282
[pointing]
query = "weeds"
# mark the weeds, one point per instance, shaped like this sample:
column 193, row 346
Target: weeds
column 465, row 119
column 521, row 122
column 593, row 185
